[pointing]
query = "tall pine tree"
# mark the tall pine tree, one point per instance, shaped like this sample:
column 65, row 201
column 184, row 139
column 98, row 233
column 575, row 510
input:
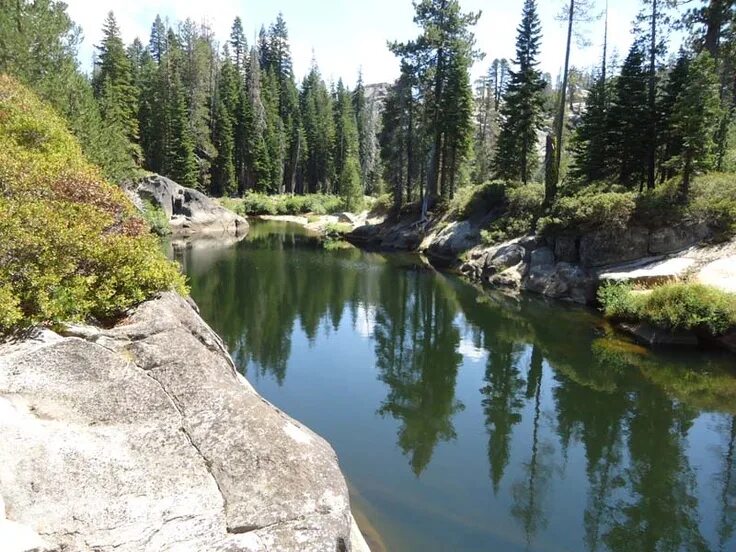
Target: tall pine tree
column 522, row 109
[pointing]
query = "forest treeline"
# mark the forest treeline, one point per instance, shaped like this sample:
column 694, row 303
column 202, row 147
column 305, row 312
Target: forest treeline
column 230, row 117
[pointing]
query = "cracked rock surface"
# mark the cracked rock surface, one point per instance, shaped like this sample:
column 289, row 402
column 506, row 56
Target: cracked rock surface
column 144, row 437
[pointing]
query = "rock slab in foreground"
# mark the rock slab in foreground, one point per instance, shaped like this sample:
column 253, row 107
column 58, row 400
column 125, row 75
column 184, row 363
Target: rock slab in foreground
column 190, row 212
column 143, row 437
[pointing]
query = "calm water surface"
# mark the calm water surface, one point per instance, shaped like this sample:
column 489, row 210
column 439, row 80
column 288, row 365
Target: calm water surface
column 465, row 421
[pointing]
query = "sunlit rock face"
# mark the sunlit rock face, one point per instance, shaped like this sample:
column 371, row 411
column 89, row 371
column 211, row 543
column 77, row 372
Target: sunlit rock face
column 190, row 212
column 144, row 437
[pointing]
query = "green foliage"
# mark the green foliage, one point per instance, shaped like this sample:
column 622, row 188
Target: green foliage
column 156, row 218
column 38, row 45
column 470, row 200
column 590, row 210
column 254, row 204
column 695, row 118
column 71, row 245
column 523, row 208
column 522, row 110
column 713, row 200
column 673, row 307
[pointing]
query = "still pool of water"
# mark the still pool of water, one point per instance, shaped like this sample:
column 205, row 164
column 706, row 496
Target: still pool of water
column 467, row 421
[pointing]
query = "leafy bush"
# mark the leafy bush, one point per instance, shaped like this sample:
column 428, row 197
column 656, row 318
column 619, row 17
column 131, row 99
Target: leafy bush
column 523, row 207
column 590, row 210
column 713, row 200
column 673, row 306
column 471, row 200
column 156, row 218
column 618, row 302
column 254, row 204
column 71, row 245
column 381, row 205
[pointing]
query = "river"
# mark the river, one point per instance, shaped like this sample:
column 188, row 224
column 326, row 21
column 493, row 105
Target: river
column 468, row 421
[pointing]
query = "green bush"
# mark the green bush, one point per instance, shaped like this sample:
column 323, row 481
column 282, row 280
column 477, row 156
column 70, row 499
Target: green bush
column 72, row 246
column 523, row 208
column 673, row 306
column 713, row 200
column 254, row 204
column 471, row 200
column 156, row 218
column 590, row 210
column 618, row 302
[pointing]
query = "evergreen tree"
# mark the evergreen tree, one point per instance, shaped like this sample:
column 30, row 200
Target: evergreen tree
column 257, row 161
column 113, row 83
column 591, row 144
column 522, row 109
column 158, row 43
column 198, row 53
column 223, row 169
column 695, row 118
column 181, row 163
column 629, row 120
column 239, row 45
column 445, row 35
column 319, row 130
column 671, row 139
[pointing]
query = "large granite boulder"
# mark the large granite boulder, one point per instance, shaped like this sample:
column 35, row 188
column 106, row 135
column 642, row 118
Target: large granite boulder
column 671, row 239
column 561, row 281
column 452, row 241
column 143, row 438
column 605, row 247
column 190, row 212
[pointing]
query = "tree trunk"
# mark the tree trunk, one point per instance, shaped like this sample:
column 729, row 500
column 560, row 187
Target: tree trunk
column 652, row 161
column 563, row 91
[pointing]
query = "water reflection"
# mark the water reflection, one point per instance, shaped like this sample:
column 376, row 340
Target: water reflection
column 592, row 443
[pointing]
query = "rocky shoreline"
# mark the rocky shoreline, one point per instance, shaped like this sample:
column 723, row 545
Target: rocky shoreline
column 568, row 267
column 144, row 437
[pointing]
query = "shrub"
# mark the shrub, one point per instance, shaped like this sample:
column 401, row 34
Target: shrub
column 713, row 200
column 590, row 210
column 618, row 302
column 523, row 207
column 156, row 218
column 471, row 200
column 72, row 246
column 691, row 306
column 254, row 204
column 673, row 306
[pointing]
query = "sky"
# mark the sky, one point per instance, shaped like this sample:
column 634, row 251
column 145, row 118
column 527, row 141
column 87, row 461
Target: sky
column 347, row 35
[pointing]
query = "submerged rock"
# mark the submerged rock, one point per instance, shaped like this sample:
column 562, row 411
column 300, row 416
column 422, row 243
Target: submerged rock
column 144, row 437
column 190, row 212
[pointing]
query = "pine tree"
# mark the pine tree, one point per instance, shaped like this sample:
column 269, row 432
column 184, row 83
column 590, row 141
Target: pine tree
column 630, row 119
column 445, row 35
column 671, row 139
column 257, row 161
column 113, row 83
column 223, row 169
column 239, row 45
column 522, row 109
column 591, row 143
column 181, row 163
column 319, row 129
column 695, row 118
column 158, row 43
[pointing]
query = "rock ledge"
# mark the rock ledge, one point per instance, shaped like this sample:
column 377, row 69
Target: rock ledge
column 144, row 437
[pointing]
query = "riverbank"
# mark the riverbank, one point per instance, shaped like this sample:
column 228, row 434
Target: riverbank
column 183, row 450
column 570, row 267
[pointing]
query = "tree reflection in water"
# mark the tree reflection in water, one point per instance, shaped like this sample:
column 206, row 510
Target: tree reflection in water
column 550, row 385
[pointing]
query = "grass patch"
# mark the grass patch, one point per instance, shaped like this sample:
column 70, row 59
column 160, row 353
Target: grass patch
column 673, row 307
column 72, row 246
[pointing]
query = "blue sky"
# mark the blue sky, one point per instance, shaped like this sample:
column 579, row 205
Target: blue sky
column 346, row 35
